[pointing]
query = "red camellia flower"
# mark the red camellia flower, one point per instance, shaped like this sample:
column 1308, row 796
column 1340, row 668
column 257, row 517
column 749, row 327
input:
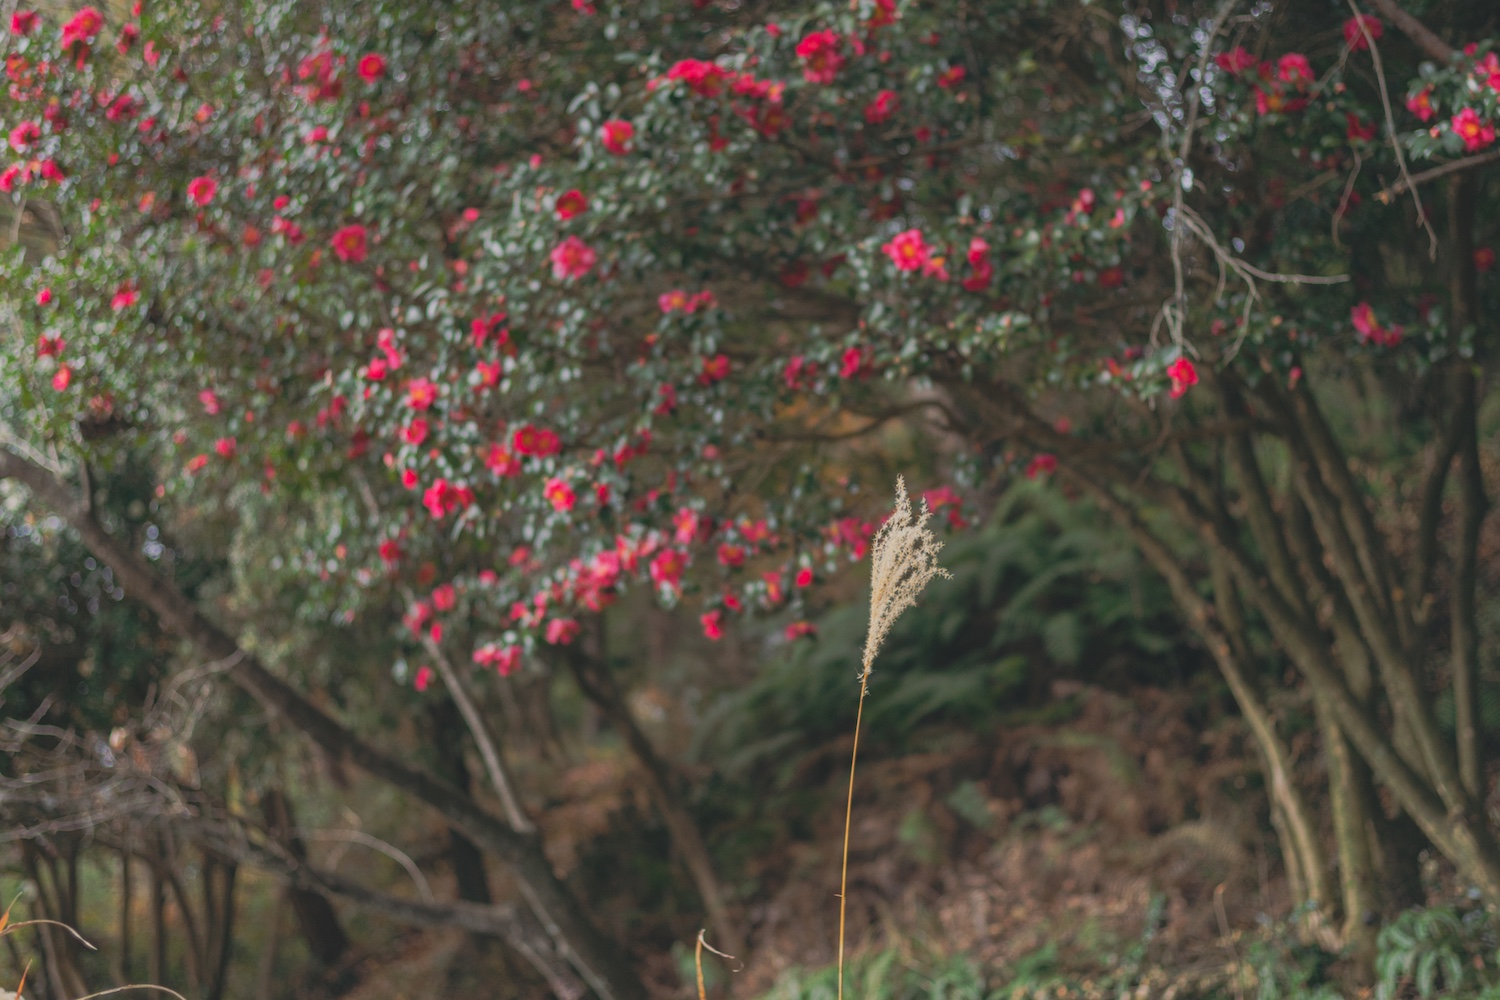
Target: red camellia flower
column 572, row 258
column 371, row 67
column 908, row 250
column 23, row 135
column 1235, row 61
column 1111, row 277
column 445, row 598
column 1420, row 103
column 82, row 28
column 62, row 378
column 210, row 401
column 1484, row 258
column 820, row 56
column 668, row 566
column 505, row 659
column 804, row 577
column 531, row 440
column 1183, row 374
column 1358, row 131
column 1473, row 130
column 201, row 190
column 800, row 630
column 423, row 680
column 1355, row 28
column 350, row 244
column 571, row 203
column 125, row 297
column 713, row 624
column 1370, row 329
column 420, row 394
column 1294, row 68
column 951, row 77
column 390, row 551
column 559, row 494
column 616, row 134
column 732, row 556
column 501, row 462
column 562, row 631
column 44, row 297
column 225, row 447
column 884, row 15
column 415, row 432
column 1041, row 465
column 129, row 35
column 705, row 79
column 881, row 108
column 715, row 369
column 23, row 22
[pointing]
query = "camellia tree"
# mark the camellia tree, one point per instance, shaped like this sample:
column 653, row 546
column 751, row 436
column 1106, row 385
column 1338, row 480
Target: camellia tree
column 484, row 313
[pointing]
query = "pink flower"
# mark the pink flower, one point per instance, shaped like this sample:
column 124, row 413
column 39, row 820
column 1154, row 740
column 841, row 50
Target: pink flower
column 445, row 598
column 201, row 190
column 907, row 250
column 125, row 297
column 715, row 369
column 705, row 79
column 562, row 631
column 559, row 494
column 1370, row 329
column 572, row 258
column 1354, row 34
column 1294, row 68
column 1474, row 131
column 423, row 680
column 501, row 462
column 1040, row 465
column 62, row 378
column 225, row 447
column 23, row 135
column 44, row 297
column 804, row 577
column 668, row 566
column 882, row 107
column 23, row 22
column 713, row 624
column 1235, row 61
column 799, row 630
column 732, row 556
column 505, row 659
column 210, row 401
column 616, row 134
column 371, row 67
column 350, row 244
column 1420, row 103
column 1358, row 131
column 852, row 362
column 820, row 56
column 530, row 440
column 571, row 203
column 420, row 394
column 82, row 28
column 1183, row 374
column 414, row 433
column 951, row 77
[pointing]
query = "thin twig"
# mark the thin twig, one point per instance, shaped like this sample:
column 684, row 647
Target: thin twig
column 1390, row 127
column 1467, row 163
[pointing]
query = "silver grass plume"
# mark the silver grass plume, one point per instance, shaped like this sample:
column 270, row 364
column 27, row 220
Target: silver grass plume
column 903, row 560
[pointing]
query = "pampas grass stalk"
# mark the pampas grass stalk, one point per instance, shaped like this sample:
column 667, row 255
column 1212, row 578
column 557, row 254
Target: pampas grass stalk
column 903, row 560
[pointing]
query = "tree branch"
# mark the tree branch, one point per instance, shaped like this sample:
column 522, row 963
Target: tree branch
column 597, row 959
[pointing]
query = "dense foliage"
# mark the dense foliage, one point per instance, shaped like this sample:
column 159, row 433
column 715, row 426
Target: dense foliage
column 479, row 315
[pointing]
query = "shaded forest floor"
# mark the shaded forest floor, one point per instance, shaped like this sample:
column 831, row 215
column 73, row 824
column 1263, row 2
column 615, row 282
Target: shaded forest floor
column 1126, row 834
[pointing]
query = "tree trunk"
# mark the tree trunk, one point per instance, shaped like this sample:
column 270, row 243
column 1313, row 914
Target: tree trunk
column 598, row 685
column 598, row 959
column 315, row 915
